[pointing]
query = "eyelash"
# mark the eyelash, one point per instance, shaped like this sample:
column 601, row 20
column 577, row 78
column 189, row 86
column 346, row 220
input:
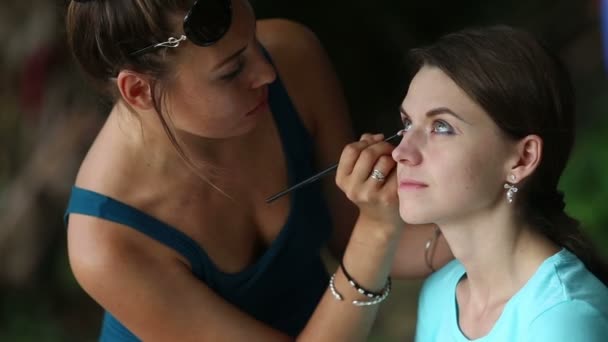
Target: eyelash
column 241, row 65
column 235, row 73
column 449, row 128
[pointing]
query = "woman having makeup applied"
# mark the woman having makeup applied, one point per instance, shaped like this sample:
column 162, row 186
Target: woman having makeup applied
column 213, row 111
column 489, row 125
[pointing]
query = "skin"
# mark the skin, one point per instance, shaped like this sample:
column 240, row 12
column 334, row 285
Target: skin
column 452, row 164
column 212, row 117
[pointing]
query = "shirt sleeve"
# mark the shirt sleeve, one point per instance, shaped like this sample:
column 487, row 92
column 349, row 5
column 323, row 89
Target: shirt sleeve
column 569, row 321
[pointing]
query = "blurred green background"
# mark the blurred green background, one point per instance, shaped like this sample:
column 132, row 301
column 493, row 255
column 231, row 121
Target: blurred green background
column 49, row 117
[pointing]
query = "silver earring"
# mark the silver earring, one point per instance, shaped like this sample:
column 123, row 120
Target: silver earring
column 512, row 189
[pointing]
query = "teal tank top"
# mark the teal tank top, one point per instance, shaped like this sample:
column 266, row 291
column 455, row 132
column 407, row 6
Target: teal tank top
column 283, row 287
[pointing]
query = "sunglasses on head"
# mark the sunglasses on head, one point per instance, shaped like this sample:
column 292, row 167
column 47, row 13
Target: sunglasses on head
column 206, row 22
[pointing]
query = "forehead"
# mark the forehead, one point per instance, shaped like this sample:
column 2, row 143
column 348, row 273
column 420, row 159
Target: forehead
column 432, row 88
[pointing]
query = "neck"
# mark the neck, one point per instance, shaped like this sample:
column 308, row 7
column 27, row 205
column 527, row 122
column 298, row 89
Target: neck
column 499, row 253
column 206, row 156
column 225, row 153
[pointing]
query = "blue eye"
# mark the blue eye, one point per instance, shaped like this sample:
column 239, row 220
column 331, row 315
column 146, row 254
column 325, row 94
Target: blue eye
column 407, row 124
column 442, row 127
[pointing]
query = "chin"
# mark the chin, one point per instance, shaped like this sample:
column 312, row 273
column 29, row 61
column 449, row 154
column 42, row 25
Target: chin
column 413, row 215
column 232, row 132
column 245, row 129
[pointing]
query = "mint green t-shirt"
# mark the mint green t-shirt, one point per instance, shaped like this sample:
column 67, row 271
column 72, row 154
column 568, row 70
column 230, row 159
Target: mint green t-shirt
column 562, row 302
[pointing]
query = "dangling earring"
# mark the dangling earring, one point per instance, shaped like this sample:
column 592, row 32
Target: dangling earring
column 512, row 189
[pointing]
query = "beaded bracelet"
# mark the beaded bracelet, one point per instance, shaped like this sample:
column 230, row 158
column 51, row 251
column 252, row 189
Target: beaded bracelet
column 332, row 288
column 359, row 288
column 376, row 300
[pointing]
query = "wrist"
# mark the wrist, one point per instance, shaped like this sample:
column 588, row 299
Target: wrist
column 363, row 297
column 378, row 232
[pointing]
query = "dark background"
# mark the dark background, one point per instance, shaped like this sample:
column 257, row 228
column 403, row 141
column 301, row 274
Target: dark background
column 49, row 116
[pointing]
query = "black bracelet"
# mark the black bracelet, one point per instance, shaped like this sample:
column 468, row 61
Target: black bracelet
column 361, row 289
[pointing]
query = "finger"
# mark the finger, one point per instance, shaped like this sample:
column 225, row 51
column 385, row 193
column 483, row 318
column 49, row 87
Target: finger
column 369, row 137
column 372, row 138
column 368, row 158
column 348, row 158
column 381, row 195
column 351, row 153
column 381, row 171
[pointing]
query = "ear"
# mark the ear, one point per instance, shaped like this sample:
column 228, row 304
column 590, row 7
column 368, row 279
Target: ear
column 528, row 156
column 135, row 89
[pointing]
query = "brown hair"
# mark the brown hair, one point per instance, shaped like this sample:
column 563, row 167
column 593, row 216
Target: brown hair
column 102, row 34
column 526, row 90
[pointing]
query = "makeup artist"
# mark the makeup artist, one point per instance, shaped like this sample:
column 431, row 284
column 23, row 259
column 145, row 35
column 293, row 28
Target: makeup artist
column 213, row 111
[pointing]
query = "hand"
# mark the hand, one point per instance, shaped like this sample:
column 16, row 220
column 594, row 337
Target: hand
column 376, row 197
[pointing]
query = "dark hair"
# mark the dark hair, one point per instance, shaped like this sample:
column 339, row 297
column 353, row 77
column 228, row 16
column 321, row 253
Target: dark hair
column 526, row 90
column 102, row 34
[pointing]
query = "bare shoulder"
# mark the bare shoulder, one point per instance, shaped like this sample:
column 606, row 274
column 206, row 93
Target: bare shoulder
column 294, row 48
column 94, row 247
column 304, row 68
column 99, row 249
column 96, row 251
column 286, row 37
column 120, row 270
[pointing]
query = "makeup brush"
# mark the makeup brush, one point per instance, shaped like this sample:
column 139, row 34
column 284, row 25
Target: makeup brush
column 317, row 176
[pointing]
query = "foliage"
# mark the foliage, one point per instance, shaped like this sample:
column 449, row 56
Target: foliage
column 585, row 182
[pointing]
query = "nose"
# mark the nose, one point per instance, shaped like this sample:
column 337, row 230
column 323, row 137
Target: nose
column 263, row 72
column 408, row 151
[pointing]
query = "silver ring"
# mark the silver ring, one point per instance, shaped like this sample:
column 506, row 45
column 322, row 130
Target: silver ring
column 377, row 175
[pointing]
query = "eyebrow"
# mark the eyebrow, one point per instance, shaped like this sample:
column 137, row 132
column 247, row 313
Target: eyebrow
column 437, row 111
column 231, row 57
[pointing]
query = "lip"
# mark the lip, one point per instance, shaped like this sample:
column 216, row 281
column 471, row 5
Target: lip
column 262, row 105
column 411, row 184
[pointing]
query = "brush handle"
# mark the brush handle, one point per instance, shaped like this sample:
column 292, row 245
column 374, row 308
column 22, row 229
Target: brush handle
column 312, row 179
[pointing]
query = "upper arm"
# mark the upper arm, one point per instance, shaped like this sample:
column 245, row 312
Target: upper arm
column 313, row 86
column 153, row 294
column 569, row 321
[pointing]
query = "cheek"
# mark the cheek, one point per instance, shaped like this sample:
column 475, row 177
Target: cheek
column 225, row 113
column 462, row 178
column 197, row 96
column 233, row 99
column 214, row 105
column 461, row 172
column 222, row 104
column 477, row 179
